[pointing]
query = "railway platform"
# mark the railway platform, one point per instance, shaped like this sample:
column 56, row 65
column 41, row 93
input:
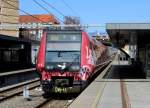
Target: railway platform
column 14, row 77
column 120, row 85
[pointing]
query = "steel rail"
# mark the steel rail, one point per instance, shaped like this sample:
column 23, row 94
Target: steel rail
column 15, row 90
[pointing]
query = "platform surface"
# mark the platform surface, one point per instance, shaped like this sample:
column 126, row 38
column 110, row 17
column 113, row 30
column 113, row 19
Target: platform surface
column 116, row 91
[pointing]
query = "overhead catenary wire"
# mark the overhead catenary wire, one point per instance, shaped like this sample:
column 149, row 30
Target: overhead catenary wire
column 72, row 10
column 67, row 5
column 46, row 10
column 21, row 10
column 56, row 25
column 50, row 5
column 86, row 26
column 58, row 11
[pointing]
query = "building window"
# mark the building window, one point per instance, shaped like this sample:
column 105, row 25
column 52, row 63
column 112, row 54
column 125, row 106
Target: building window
column 34, row 25
column 14, row 56
column 29, row 25
column 7, row 56
column 40, row 34
column 34, row 32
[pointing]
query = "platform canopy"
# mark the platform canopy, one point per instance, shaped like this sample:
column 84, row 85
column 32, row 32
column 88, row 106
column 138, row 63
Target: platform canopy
column 122, row 33
column 128, row 26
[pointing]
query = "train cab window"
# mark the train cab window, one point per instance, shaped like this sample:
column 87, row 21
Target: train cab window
column 63, row 48
column 63, row 42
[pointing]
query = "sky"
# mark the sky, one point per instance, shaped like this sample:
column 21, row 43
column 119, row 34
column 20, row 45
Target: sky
column 93, row 12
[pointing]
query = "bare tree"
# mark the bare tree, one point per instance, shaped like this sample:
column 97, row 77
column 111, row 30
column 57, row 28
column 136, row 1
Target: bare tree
column 70, row 20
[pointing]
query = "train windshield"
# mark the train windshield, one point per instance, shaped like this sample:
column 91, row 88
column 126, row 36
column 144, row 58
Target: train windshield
column 63, row 50
column 62, row 56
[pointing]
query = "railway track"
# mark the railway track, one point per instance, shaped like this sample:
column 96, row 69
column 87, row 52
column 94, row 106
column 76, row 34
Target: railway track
column 12, row 91
column 64, row 103
column 52, row 103
column 37, row 101
column 12, row 97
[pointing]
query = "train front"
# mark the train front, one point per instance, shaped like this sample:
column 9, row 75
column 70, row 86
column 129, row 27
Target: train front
column 61, row 72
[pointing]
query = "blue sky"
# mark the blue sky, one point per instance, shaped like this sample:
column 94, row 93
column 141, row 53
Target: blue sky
column 95, row 11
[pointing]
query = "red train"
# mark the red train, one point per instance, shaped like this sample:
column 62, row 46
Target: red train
column 66, row 60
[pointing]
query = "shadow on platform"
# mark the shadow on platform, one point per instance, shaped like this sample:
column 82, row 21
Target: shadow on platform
column 125, row 72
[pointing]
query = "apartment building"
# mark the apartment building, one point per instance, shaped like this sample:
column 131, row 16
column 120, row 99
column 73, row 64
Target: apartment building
column 34, row 31
column 31, row 30
column 9, row 15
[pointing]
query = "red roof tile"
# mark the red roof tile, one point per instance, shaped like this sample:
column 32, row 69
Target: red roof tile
column 38, row 18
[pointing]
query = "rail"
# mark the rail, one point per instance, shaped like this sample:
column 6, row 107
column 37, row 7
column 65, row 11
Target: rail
column 8, row 92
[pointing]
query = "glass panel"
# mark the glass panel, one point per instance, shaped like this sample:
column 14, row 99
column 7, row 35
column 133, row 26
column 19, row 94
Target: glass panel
column 7, row 56
column 63, row 47
column 63, row 51
column 64, row 37
column 142, row 55
column 15, row 56
column 62, row 56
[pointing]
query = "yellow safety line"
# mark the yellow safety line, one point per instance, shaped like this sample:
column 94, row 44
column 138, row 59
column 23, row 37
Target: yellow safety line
column 124, row 95
column 99, row 94
column 98, row 97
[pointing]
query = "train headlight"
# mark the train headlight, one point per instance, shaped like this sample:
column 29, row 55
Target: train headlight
column 75, row 68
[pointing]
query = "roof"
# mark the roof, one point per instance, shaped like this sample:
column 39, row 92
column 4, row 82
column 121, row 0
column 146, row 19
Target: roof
column 128, row 26
column 42, row 18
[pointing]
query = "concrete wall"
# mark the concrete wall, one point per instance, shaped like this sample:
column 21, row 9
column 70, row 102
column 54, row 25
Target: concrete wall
column 11, row 12
column 10, row 33
column 8, row 19
column 12, row 2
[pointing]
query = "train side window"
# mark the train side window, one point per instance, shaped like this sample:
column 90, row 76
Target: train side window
column 93, row 53
column 91, row 47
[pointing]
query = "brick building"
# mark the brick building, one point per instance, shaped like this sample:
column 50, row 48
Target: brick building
column 9, row 15
column 34, row 31
column 31, row 30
